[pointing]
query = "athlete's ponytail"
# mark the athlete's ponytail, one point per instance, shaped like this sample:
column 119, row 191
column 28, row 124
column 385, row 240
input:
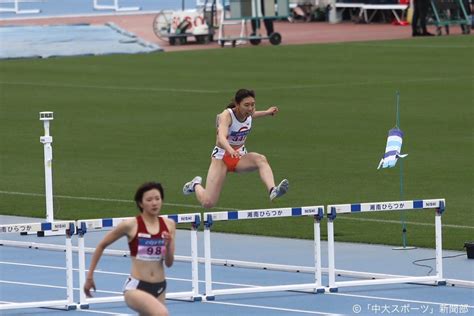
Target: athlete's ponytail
column 239, row 96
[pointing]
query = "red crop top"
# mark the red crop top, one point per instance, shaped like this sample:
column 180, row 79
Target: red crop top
column 145, row 246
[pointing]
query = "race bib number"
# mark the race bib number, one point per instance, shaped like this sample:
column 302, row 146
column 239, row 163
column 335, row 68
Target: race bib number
column 218, row 153
column 151, row 249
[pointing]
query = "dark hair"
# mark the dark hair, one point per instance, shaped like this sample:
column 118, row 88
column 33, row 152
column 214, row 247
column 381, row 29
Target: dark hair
column 239, row 96
column 145, row 187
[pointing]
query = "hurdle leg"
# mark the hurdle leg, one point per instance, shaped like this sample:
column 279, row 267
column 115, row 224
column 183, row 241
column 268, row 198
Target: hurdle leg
column 331, row 257
column 439, row 249
column 317, row 253
column 207, row 262
column 69, row 272
column 82, row 271
column 194, row 264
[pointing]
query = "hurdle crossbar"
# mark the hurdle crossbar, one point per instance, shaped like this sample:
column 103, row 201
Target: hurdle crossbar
column 83, row 226
column 210, row 217
column 378, row 278
column 114, row 6
column 16, row 8
column 68, row 227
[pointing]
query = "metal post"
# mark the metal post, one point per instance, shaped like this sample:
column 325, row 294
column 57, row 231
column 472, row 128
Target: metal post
column 317, row 251
column 194, row 262
column 82, row 265
column 402, row 214
column 331, row 256
column 69, row 268
column 439, row 246
column 48, row 160
column 207, row 257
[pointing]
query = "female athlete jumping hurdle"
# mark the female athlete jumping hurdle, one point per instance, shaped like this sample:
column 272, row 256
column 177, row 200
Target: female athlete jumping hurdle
column 230, row 155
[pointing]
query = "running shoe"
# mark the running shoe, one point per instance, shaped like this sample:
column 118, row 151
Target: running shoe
column 189, row 186
column 279, row 190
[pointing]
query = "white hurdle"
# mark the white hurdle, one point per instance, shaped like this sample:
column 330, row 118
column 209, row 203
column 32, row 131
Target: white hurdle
column 16, row 8
column 377, row 278
column 114, row 6
column 68, row 228
column 84, row 226
column 209, row 218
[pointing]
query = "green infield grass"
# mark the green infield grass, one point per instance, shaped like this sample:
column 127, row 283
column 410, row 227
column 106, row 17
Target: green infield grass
column 121, row 120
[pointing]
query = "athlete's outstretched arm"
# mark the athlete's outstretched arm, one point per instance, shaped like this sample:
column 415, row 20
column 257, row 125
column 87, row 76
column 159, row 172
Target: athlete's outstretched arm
column 270, row 111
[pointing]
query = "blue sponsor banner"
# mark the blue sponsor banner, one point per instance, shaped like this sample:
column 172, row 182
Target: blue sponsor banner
column 147, row 242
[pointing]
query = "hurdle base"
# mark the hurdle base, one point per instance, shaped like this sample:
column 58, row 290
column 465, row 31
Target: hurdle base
column 84, row 306
column 197, row 299
column 463, row 283
column 210, row 298
column 46, row 233
column 333, row 290
column 442, row 283
column 71, row 307
column 49, row 233
column 320, row 291
column 404, row 248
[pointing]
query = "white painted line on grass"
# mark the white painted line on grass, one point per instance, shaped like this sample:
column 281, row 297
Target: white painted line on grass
column 85, row 198
column 206, row 91
column 99, row 87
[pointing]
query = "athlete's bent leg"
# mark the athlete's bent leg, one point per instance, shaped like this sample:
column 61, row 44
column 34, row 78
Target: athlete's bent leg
column 209, row 196
column 254, row 161
column 144, row 303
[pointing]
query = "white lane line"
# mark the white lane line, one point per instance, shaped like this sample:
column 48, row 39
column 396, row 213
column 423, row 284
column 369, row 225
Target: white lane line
column 251, row 285
column 272, row 308
column 395, row 299
column 86, row 198
column 203, row 91
column 257, row 306
column 388, row 221
column 33, row 265
column 121, row 88
column 33, row 284
column 96, row 271
column 367, row 83
column 79, row 310
column 100, row 312
column 55, row 286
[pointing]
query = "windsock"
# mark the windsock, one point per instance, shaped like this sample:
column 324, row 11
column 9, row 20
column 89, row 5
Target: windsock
column 393, row 149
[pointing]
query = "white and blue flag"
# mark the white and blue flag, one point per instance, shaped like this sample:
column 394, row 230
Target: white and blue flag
column 393, row 149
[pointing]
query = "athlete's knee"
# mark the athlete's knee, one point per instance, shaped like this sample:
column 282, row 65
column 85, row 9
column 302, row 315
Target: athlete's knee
column 207, row 203
column 261, row 160
column 160, row 310
column 163, row 312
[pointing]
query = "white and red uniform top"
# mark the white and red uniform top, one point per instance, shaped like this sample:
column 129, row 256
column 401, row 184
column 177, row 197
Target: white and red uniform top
column 145, row 246
column 238, row 131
